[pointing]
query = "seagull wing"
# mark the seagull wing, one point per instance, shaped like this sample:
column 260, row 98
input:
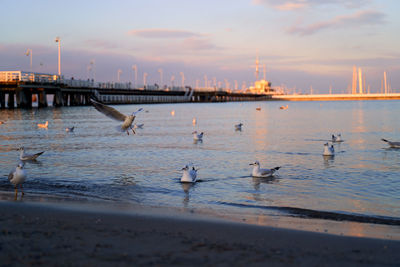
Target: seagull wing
column 137, row 111
column 11, row 175
column 108, row 111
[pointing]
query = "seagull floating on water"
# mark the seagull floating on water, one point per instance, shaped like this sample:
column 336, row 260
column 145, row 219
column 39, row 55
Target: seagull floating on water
column 70, row 129
column 43, row 125
column 238, row 127
column 25, row 156
column 18, row 177
column 284, row 107
column 337, row 138
column 392, row 144
column 258, row 172
column 328, row 150
column 197, row 137
column 189, row 174
column 116, row 115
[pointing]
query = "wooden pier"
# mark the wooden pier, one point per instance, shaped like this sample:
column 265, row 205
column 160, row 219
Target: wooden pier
column 17, row 89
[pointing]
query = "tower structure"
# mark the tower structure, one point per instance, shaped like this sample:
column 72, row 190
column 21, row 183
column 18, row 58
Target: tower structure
column 360, row 81
column 354, row 84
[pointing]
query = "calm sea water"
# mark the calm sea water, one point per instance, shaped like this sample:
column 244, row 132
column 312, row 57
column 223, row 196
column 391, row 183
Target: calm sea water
column 98, row 163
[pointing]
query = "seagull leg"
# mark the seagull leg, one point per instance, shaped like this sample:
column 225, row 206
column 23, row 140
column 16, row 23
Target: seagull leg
column 22, row 190
column 127, row 132
column 16, row 193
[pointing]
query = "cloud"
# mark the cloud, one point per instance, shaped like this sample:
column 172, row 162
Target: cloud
column 367, row 17
column 195, row 43
column 302, row 4
column 163, row 33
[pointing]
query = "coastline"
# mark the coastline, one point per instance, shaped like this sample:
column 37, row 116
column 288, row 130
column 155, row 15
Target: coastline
column 54, row 234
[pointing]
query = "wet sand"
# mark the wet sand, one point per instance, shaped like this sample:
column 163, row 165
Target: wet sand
column 56, row 235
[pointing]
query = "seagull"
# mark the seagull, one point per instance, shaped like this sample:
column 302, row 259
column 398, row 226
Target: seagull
column 328, row 150
column 24, row 156
column 337, row 138
column 1, row 122
column 238, row 127
column 70, row 129
column 392, row 144
column 258, row 172
column 43, row 125
column 116, row 115
column 284, row 107
column 189, row 175
column 18, row 177
column 197, row 137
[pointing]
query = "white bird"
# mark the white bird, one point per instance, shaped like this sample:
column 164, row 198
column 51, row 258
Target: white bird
column 258, row 172
column 238, row 127
column 337, row 138
column 18, row 177
column 328, row 150
column 197, row 137
column 189, row 175
column 116, row 115
column 43, row 125
column 24, row 156
column 70, row 129
column 392, row 144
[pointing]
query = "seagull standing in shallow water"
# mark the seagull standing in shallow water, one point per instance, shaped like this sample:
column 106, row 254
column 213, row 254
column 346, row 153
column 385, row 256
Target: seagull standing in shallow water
column 258, row 172
column 116, row 115
column 189, row 175
column 24, row 156
column 392, row 144
column 18, row 177
column 328, row 150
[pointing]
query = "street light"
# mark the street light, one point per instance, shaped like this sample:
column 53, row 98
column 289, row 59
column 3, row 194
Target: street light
column 161, row 76
column 134, row 68
column 119, row 74
column 183, row 79
column 58, row 40
column 29, row 53
column 145, row 79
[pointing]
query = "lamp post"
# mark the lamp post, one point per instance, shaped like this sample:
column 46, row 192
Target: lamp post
column 144, row 79
column 172, row 80
column 58, row 40
column 119, row 74
column 134, row 68
column 29, row 53
column 161, row 76
column 183, row 79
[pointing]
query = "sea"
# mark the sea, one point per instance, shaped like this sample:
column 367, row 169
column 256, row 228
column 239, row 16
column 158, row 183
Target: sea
column 359, row 185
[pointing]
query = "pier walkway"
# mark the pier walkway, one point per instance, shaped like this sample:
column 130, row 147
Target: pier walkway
column 21, row 89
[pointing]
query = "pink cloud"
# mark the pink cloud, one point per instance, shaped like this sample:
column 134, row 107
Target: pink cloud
column 301, row 4
column 368, row 17
column 162, row 33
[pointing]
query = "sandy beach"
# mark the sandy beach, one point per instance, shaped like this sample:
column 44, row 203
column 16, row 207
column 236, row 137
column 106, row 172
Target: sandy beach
column 59, row 235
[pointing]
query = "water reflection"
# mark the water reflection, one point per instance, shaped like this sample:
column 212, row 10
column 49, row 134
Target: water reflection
column 187, row 187
column 328, row 161
column 267, row 180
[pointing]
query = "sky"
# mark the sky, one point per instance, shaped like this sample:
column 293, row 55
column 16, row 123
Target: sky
column 304, row 44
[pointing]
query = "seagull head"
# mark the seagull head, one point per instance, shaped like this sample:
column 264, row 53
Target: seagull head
column 256, row 163
column 20, row 148
column 185, row 168
column 20, row 165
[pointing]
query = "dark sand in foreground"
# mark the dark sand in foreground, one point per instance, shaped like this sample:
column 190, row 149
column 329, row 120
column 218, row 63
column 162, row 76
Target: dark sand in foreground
column 48, row 235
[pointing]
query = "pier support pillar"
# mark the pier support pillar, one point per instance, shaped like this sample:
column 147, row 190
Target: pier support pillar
column 42, row 99
column 2, row 100
column 58, row 99
column 24, row 99
column 11, row 102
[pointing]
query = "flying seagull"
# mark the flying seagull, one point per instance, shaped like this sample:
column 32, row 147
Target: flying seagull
column 116, row 115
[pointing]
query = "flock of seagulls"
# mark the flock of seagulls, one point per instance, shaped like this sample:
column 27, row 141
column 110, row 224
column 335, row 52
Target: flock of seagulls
column 189, row 173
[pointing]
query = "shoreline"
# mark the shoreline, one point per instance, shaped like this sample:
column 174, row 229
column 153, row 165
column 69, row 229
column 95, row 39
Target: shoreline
column 37, row 234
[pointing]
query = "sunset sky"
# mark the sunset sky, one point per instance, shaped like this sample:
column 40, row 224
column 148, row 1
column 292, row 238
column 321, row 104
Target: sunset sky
column 303, row 43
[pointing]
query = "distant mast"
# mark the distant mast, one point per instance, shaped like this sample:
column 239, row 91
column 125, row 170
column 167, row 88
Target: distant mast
column 354, row 85
column 360, row 81
column 257, row 62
